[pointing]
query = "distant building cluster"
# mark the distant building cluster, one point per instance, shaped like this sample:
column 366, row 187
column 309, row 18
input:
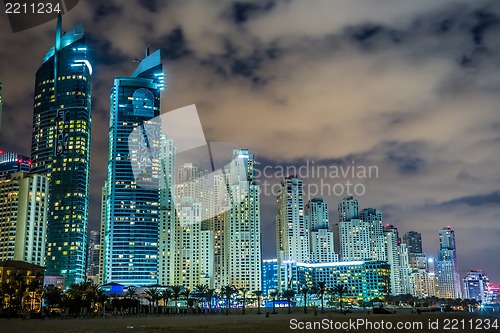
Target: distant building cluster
column 166, row 223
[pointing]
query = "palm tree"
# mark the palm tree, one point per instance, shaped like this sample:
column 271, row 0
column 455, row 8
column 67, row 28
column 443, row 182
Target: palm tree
column 166, row 295
column 321, row 291
column 209, row 296
column 186, row 293
column 341, row 291
column 201, row 290
column 153, row 295
column 176, row 292
column 289, row 294
column 273, row 295
column 304, row 291
column 258, row 294
column 131, row 292
column 244, row 291
column 228, row 291
column 52, row 296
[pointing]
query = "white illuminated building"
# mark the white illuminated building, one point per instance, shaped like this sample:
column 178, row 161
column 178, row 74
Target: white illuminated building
column 292, row 232
column 242, row 239
column 321, row 238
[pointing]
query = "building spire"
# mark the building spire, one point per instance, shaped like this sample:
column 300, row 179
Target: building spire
column 58, row 32
column 57, row 47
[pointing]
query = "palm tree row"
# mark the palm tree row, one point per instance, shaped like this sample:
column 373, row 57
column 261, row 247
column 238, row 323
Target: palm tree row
column 319, row 290
column 85, row 298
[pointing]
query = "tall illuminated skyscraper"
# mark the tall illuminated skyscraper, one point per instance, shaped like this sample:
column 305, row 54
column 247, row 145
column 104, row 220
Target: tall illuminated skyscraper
column 23, row 217
column 446, row 267
column 60, row 149
column 348, row 209
column 132, row 196
column 242, row 239
column 413, row 240
column 321, row 237
column 292, row 232
column 1, row 105
column 377, row 241
column 167, row 215
column 393, row 258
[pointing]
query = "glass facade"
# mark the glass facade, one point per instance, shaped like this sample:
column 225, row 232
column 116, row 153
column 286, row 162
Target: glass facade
column 269, row 276
column 60, row 149
column 132, row 196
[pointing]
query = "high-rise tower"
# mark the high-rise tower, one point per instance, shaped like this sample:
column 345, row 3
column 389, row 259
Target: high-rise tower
column 60, row 149
column 242, row 245
column 1, row 105
column 446, row 267
column 321, row 237
column 413, row 240
column 348, row 209
column 292, row 232
column 132, row 196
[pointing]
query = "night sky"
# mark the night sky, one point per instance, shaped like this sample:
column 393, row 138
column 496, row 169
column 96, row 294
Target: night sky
column 412, row 87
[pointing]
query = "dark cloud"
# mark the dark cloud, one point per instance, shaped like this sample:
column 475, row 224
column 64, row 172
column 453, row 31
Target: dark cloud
column 475, row 200
column 173, row 45
column 244, row 11
column 411, row 87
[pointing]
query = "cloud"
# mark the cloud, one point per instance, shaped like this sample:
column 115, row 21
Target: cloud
column 409, row 86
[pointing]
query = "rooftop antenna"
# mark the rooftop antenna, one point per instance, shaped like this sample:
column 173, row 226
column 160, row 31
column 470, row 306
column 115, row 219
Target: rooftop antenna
column 147, row 51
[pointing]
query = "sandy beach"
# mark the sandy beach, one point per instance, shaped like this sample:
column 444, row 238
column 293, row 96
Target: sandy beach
column 251, row 322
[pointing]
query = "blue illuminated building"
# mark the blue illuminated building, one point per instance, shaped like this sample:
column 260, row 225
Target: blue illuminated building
column 60, row 149
column 131, row 226
column 269, row 276
column 364, row 280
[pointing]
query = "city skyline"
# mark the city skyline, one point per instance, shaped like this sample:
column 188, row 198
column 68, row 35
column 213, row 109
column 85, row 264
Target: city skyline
column 427, row 180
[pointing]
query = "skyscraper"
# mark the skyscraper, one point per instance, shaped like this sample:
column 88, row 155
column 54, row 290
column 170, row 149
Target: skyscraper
column 392, row 248
column 167, row 215
column 348, row 209
column 1, row 106
column 405, row 271
column 93, row 255
column 321, row 238
column 60, row 149
column 131, row 233
column 354, row 239
column 292, row 232
column 377, row 241
column 446, row 267
column 23, row 218
column 13, row 162
column 413, row 241
column 242, row 239
column 102, row 252
column 186, row 249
